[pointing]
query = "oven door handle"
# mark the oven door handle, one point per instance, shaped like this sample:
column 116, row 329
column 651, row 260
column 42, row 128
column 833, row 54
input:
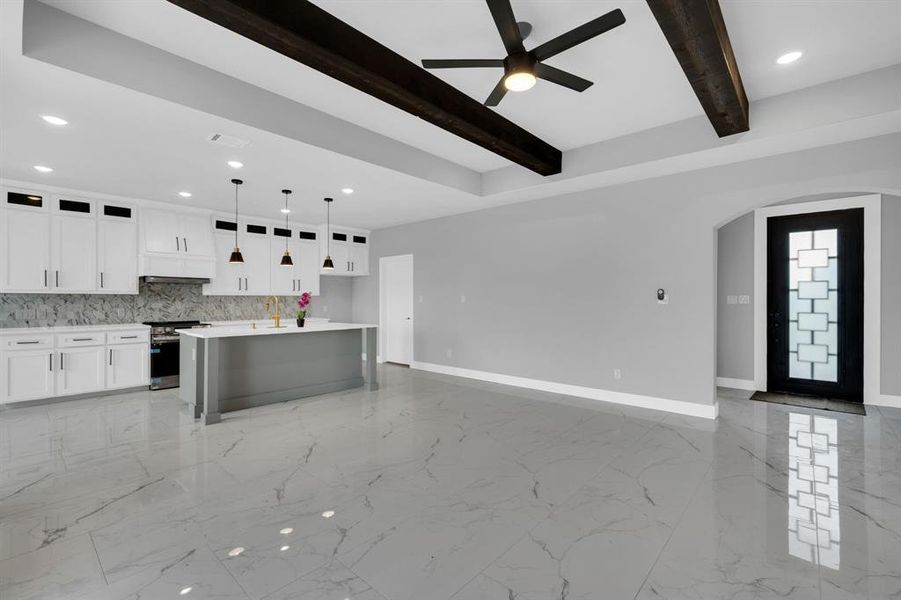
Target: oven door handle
column 164, row 341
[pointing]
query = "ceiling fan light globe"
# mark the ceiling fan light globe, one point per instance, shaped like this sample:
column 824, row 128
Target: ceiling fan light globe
column 520, row 81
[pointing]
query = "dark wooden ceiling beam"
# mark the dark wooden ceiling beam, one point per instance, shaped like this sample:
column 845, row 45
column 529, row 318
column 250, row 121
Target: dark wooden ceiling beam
column 304, row 32
column 697, row 34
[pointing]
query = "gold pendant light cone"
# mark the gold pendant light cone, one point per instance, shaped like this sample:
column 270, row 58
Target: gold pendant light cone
column 236, row 257
column 328, row 264
column 286, row 260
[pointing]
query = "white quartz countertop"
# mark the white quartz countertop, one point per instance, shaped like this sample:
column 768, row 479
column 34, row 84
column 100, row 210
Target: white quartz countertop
column 71, row 328
column 288, row 327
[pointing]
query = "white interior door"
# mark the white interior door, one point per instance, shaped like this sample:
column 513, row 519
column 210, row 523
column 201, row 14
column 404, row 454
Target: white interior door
column 398, row 297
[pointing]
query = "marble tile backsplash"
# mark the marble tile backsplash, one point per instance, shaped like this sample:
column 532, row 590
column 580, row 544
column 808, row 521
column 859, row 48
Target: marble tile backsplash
column 158, row 302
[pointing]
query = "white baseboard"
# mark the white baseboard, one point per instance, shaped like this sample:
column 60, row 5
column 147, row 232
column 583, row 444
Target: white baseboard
column 887, row 400
column 706, row 411
column 736, row 384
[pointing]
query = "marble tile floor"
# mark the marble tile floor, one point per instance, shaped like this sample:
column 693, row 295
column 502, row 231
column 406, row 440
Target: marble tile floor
column 441, row 488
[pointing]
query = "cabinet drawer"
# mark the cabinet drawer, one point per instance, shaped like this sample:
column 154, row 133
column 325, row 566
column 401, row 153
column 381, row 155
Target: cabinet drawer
column 134, row 336
column 26, row 342
column 74, row 340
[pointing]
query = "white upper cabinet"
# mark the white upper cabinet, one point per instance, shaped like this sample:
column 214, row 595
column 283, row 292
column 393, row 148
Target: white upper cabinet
column 117, row 249
column 349, row 249
column 25, row 242
column 255, row 247
column 176, row 243
column 262, row 244
column 73, row 243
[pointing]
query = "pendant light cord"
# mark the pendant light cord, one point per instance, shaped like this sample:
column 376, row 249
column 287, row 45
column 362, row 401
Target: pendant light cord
column 328, row 227
column 236, row 215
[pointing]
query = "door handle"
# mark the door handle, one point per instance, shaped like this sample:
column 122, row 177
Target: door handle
column 293, row 285
column 57, row 279
column 185, row 240
column 45, row 277
column 239, row 284
column 245, row 284
column 111, row 357
column 51, row 361
column 61, row 362
column 101, row 279
column 177, row 245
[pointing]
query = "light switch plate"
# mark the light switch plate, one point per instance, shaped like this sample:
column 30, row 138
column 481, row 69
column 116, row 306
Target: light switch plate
column 744, row 299
column 733, row 299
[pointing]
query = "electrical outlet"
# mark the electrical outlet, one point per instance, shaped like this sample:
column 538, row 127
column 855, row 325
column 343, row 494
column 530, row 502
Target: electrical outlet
column 744, row 299
column 617, row 373
column 732, row 299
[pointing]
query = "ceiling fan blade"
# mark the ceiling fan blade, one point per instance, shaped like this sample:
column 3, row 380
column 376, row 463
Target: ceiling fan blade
column 462, row 63
column 506, row 25
column 497, row 94
column 563, row 78
column 580, row 34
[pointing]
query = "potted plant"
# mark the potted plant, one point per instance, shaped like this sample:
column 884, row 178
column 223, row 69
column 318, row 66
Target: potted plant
column 303, row 304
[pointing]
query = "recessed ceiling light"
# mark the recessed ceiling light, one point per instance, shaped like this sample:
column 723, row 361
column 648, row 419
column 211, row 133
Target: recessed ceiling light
column 185, row 590
column 347, row 190
column 285, row 211
column 328, row 514
column 285, row 547
column 43, row 169
column 53, row 120
column 286, row 531
column 235, row 164
column 789, row 57
column 236, row 551
column 185, row 194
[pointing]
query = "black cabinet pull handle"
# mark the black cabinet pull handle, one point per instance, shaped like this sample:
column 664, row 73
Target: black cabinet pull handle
column 57, row 279
column 30, row 342
column 101, row 279
column 128, row 337
column 61, row 356
column 111, row 357
column 185, row 240
column 45, row 277
column 177, row 245
column 51, row 361
column 82, row 339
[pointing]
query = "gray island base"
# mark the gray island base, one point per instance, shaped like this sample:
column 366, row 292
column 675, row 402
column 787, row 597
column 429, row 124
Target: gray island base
column 230, row 368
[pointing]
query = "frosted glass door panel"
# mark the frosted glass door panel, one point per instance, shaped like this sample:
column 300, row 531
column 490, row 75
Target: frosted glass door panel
column 813, row 305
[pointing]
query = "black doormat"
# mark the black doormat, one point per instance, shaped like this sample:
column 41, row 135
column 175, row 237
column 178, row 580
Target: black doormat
column 855, row 408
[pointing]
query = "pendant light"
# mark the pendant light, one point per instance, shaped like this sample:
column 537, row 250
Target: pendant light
column 327, row 264
column 286, row 257
column 236, row 257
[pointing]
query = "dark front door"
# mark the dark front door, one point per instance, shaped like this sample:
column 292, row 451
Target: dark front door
column 815, row 304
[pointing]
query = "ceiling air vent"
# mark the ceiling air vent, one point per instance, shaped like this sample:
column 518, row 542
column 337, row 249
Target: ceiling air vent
column 227, row 140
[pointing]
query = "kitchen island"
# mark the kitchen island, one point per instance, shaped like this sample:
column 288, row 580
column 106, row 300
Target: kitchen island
column 232, row 367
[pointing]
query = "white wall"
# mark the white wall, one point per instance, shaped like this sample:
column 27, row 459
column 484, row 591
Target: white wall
column 563, row 289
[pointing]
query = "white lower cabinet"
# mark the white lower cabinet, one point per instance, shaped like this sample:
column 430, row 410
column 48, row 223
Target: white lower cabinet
column 26, row 374
column 127, row 366
column 73, row 361
column 80, row 370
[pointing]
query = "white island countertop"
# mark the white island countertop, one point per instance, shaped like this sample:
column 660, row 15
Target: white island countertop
column 288, row 327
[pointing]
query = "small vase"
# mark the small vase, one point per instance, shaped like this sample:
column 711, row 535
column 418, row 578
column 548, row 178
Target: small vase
column 300, row 322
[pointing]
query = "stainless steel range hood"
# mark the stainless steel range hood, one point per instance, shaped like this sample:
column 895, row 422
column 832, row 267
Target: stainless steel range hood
column 162, row 279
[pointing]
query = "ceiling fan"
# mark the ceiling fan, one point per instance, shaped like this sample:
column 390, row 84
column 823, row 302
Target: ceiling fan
column 521, row 68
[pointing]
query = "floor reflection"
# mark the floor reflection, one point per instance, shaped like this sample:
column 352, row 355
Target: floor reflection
column 814, row 528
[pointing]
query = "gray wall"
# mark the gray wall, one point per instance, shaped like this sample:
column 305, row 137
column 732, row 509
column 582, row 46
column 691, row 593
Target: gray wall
column 735, row 277
column 563, row 289
column 891, row 295
column 161, row 302
column 735, row 324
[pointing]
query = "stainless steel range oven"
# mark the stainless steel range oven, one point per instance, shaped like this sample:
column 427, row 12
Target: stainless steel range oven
column 164, row 351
